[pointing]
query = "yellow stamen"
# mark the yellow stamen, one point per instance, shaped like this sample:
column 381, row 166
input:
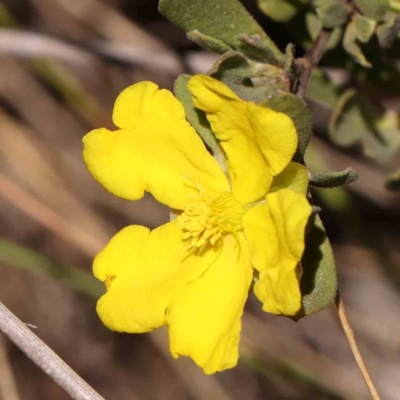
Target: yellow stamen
column 207, row 218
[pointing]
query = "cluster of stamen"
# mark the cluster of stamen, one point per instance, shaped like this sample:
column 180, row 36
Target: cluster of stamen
column 207, row 218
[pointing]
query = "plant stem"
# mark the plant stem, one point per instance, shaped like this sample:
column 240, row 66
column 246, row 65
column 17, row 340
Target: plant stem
column 354, row 348
column 312, row 58
column 44, row 357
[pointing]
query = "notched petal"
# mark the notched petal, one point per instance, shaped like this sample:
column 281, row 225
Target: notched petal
column 156, row 150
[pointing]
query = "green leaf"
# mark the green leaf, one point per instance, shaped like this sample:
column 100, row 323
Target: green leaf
column 208, row 42
column 225, row 20
column 333, row 179
column 196, row 117
column 256, row 49
column 318, row 282
column 375, row 9
column 322, row 90
column 346, row 120
column 365, row 28
column 233, row 67
column 314, row 26
column 280, row 10
column 352, row 47
column 299, row 112
column 234, row 70
column 332, row 13
column 354, row 120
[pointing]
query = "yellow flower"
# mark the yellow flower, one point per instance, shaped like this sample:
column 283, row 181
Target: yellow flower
column 193, row 274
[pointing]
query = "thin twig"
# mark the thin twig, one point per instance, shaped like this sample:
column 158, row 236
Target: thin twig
column 44, row 357
column 312, row 58
column 354, row 348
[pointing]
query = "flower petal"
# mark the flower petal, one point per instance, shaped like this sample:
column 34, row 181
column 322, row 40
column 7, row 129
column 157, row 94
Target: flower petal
column 156, row 151
column 204, row 318
column 143, row 270
column 275, row 231
column 293, row 177
column 258, row 142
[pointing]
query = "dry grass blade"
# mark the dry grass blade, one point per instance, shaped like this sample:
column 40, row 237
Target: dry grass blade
column 354, row 348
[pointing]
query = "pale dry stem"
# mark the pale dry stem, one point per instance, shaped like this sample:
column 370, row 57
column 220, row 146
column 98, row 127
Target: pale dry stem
column 354, row 348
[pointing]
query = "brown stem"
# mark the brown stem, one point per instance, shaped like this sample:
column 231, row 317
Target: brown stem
column 354, row 348
column 312, row 58
column 44, row 357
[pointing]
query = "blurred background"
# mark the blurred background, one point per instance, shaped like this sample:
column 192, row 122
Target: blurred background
column 62, row 64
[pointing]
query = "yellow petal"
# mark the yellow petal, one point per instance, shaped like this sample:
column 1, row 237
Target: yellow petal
column 143, row 270
column 155, row 151
column 204, row 318
column 144, row 101
column 293, row 177
column 258, row 142
column 275, row 231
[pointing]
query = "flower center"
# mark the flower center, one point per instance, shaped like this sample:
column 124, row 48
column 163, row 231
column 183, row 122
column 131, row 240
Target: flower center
column 207, row 218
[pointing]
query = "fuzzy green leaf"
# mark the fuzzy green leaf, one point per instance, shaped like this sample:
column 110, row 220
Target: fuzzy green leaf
column 332, row 13
column 365, row 28
column 255, row 48
column 375, row 9
column 208, row 42
column 197, row 118
column 345, row 122
column 233, row 67
column 352, row 47
column 319, row 281
column 280, row 10
column 322, row 90
column 298, row 111
column 355, row 120
column 290, row 63
column 314, row 26
column 224, row 20
column 333, row 179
